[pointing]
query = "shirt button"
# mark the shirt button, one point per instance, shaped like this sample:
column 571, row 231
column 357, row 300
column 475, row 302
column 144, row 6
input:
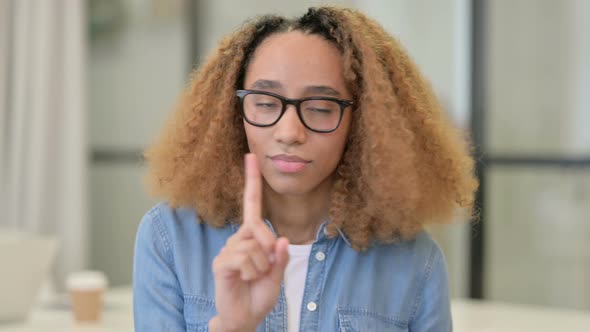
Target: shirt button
column 311, row 306
column 320, row 256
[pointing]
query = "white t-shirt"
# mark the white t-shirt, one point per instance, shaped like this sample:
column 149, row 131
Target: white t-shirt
column 294, row 278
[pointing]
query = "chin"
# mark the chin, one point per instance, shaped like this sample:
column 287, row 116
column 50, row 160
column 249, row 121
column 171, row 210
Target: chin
column 291, row 187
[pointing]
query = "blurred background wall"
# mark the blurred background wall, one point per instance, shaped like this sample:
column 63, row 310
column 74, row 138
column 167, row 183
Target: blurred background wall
column 138, row 63
column 537, row 133
column 516, row 72
column 535, row 246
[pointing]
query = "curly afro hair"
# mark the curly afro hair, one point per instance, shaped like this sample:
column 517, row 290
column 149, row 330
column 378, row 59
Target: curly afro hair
column 404, row 166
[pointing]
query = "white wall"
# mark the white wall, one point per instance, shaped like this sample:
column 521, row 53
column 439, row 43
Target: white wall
column 539, row 79
column 135, row 76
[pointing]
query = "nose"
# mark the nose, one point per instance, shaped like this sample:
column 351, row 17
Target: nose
column 290, row 130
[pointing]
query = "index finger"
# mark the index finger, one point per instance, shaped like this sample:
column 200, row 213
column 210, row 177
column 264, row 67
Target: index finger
column 252, row 191
column 253, row 206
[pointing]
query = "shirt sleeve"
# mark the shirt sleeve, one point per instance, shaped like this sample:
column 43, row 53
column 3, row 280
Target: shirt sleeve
column 433, row 304
column 157, row 297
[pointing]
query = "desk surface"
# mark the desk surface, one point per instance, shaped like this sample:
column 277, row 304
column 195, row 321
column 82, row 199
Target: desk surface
column 485, row 316
column 117, row 317
column 468, row 316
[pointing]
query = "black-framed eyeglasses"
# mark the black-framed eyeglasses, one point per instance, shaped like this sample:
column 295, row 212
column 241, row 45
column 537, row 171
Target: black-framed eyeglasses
column 265, row 109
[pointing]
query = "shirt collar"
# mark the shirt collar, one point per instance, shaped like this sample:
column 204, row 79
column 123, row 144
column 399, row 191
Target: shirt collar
column 321, row 234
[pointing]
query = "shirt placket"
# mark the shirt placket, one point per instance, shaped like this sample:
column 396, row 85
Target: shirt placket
column 311, row 304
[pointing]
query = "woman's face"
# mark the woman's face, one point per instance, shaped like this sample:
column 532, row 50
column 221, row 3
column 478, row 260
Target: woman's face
column 296, row 65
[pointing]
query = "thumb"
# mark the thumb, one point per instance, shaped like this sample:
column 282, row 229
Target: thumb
column 281, row 259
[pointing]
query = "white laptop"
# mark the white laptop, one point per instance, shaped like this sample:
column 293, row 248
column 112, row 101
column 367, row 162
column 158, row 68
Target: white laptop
column 25, row 260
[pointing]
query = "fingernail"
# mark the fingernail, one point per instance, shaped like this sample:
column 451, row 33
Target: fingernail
column 271, row 258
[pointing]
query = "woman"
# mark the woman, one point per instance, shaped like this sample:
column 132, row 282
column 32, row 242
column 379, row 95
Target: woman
column 347, row 156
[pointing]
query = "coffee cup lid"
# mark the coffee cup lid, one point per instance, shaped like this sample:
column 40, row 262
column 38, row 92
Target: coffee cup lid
column 86, row 280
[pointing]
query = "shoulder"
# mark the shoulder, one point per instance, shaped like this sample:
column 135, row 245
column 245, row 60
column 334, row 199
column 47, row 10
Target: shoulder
column 175, row 240
column 400, row 275
column 162, row 221
column 429, row 259
column 172, row 219
column 421, row 250
column 162, row 213
column 414, row 263
column 429, row 285
column 431, row 304
column 179, row 228
column 425, row 248
column 426, row 278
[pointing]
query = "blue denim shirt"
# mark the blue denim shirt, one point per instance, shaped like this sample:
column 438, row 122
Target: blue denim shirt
column 389, row 287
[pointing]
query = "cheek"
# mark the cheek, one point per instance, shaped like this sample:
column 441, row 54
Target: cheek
column 331, row 153
column 253, row 137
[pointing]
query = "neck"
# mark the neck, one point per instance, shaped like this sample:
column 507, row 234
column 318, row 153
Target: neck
column 298, row 217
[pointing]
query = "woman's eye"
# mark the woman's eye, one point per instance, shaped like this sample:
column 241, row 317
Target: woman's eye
column 266, row 105
column 320, row 110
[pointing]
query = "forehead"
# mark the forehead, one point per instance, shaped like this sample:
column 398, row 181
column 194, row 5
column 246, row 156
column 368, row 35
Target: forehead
column 296, row 58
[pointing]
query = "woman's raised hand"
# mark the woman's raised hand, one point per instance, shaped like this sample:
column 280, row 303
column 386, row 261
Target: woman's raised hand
column 249, row 269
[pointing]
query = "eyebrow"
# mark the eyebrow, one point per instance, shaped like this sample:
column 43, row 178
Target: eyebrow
column 312, row 89
column 266, row 84
column 322, row 90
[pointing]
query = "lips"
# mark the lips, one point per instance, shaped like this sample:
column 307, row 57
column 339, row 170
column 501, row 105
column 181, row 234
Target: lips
column 289, row 164
column 291, row 159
